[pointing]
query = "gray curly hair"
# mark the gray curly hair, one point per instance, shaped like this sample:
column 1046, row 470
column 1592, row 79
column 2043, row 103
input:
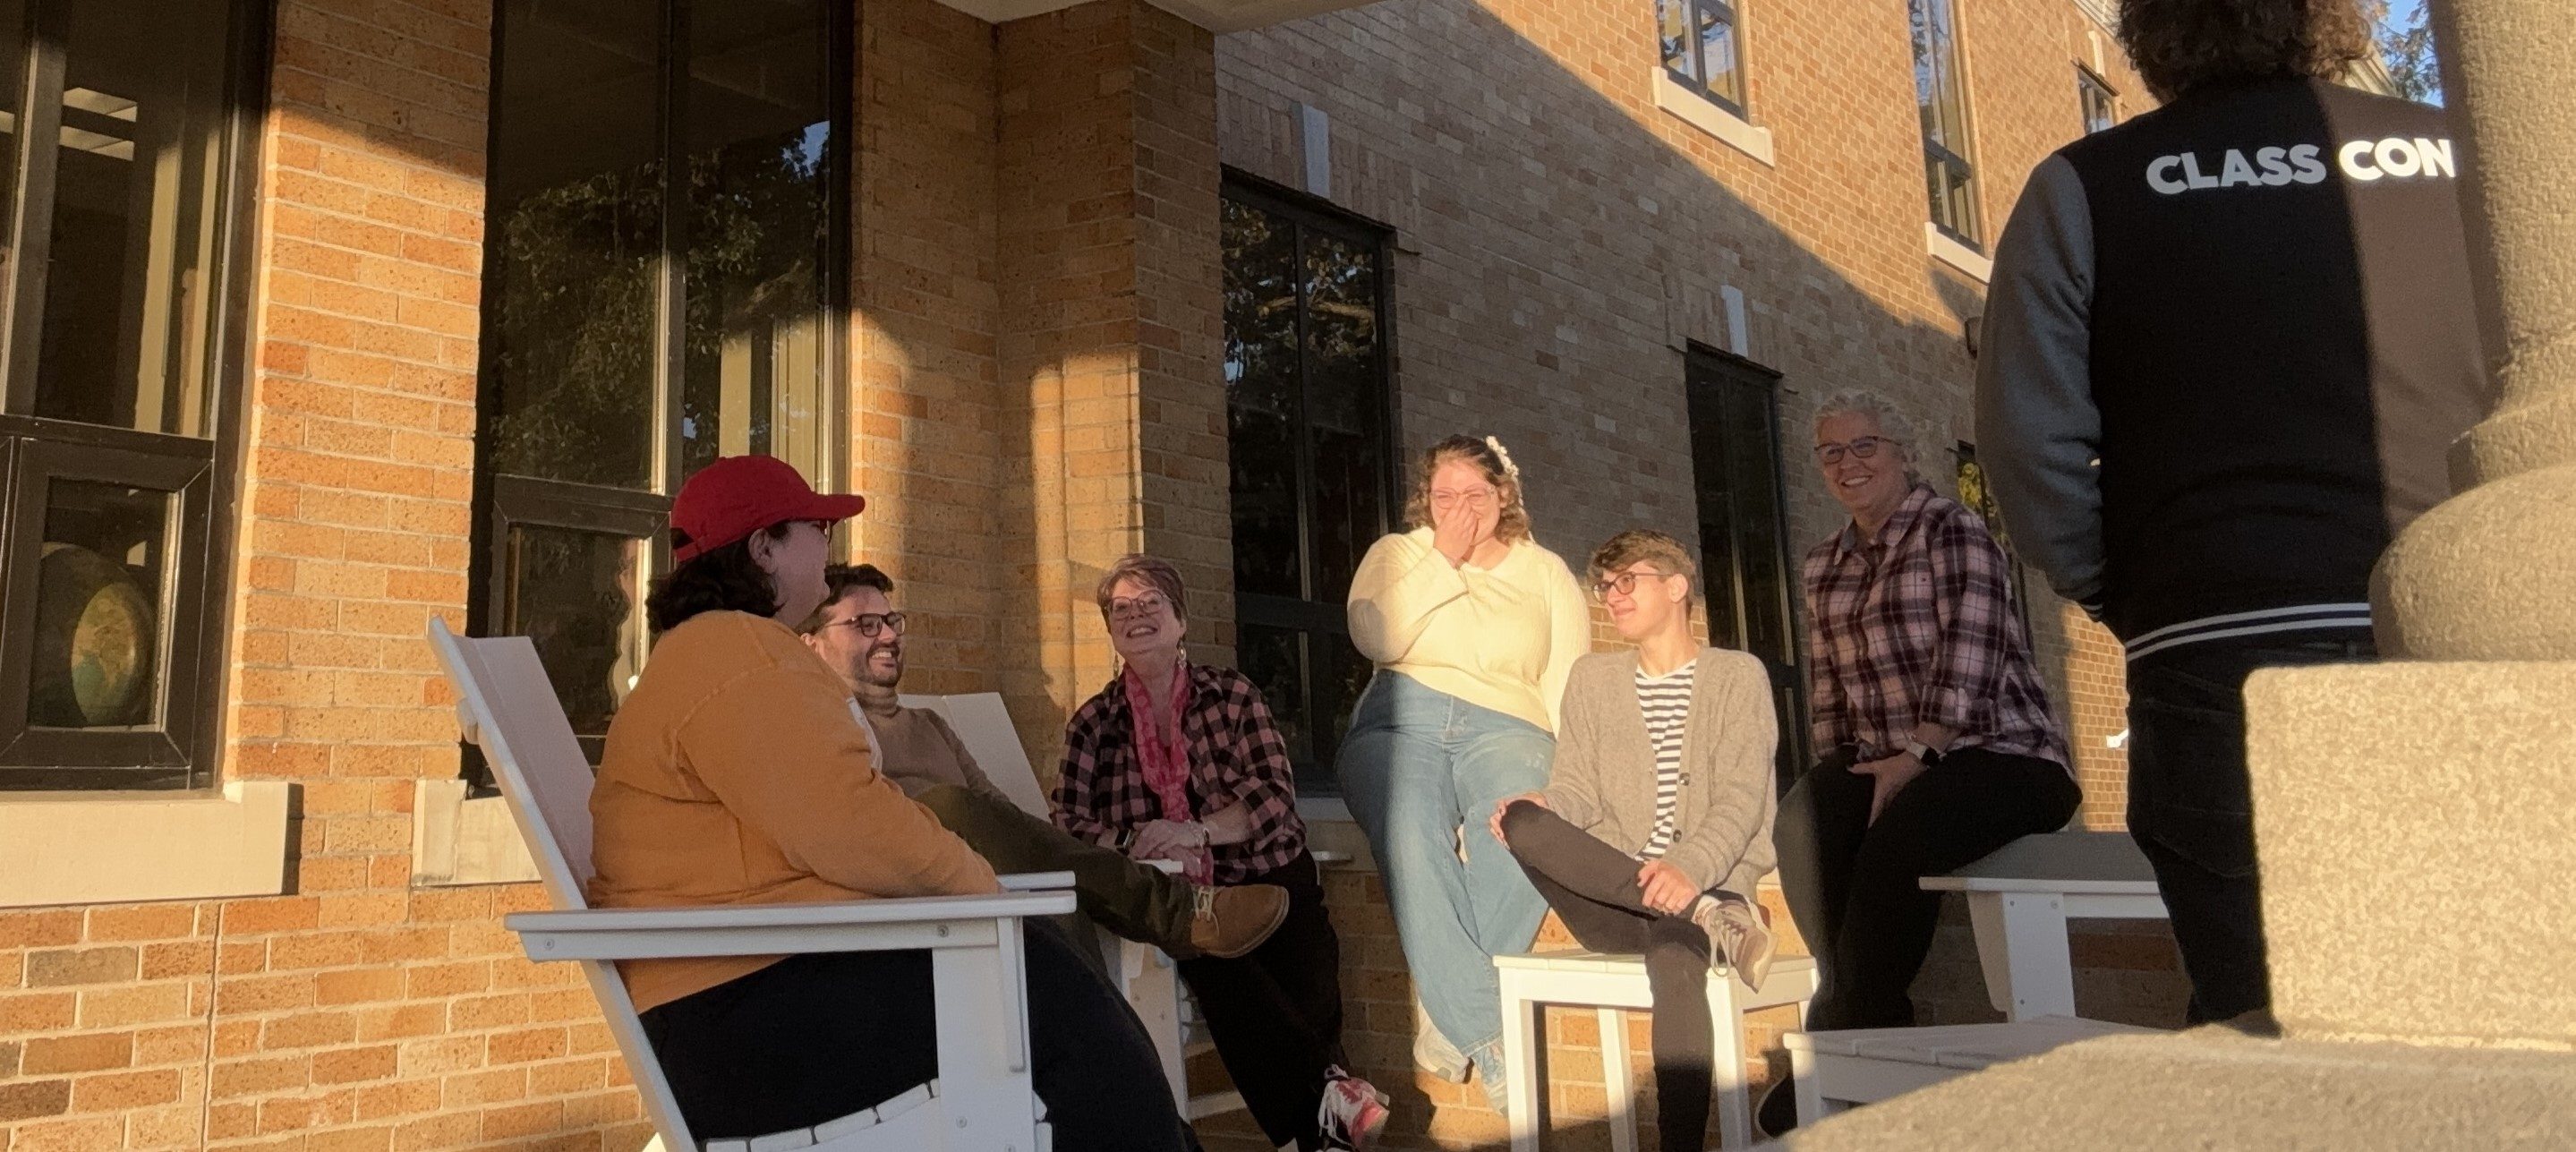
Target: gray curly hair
column 1893, row 423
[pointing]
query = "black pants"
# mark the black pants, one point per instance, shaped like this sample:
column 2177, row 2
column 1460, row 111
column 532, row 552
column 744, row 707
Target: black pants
column 814, row 1038
column 1593, row 888
column 2191, row 809
column 1133, row 900
column 1856, row 887
column 1276, row 1012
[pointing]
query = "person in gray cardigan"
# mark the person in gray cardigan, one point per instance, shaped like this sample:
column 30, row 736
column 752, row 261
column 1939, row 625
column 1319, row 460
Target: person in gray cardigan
column 1656, row 821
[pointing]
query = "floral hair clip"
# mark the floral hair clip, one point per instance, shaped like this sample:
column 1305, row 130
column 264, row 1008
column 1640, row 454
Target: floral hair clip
column 1510, row 470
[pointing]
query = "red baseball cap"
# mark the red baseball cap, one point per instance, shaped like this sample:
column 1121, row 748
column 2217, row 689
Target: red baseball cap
column 736, row 496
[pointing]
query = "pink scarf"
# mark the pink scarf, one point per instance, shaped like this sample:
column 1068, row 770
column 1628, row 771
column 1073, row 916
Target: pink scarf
column 1165, row 756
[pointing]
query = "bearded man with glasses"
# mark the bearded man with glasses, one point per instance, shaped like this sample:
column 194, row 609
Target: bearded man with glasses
column 858, row 632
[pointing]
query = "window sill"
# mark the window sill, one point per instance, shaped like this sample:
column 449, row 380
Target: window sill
column 1957, row 255
column 456, row 840
column 1700, row 112
column 128, row 847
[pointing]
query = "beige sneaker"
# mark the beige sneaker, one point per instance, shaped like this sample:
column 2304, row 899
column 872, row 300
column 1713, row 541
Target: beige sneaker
column 1739, row 934
column 1232, row 921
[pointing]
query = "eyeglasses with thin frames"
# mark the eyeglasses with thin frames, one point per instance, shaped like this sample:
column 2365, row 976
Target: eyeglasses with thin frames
column 1146, row 605
column 871, row 625
column 1476, row 500
column 1864, row 447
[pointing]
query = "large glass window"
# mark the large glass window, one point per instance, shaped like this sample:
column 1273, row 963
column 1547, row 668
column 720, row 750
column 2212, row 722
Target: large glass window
column 1310, row 436
column 1941, row 93
column 120, row 195
column 1745, row 572
column 1703, row 48
column 662, row 272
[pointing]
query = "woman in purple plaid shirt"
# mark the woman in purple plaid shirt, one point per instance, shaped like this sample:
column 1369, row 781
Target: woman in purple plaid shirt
column 1180, row 761
column 1940, row 743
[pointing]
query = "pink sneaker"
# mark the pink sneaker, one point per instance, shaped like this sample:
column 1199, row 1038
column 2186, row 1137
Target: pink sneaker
column 1353, row 1112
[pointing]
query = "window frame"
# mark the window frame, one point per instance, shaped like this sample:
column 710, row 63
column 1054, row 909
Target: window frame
column 2088, row 84
column 1940, row 158
column 1731, row 12
column 1707, row 370
column 181, row 748
column 1305, row 616
column 502, row 501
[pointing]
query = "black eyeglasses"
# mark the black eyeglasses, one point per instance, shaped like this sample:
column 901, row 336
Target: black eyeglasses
column 1624, row 583
column 1864, row 447
column 871, row 625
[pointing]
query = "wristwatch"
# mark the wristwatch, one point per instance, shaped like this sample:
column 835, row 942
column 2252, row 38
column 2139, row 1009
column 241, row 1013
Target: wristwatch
column 1923, row 752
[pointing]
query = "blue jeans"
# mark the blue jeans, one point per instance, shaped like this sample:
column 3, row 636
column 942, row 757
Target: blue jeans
column 1418, row 766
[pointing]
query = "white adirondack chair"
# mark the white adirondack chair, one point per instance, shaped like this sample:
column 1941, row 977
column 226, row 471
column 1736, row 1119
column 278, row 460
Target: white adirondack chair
column 982, row 1100
column 1145, row 976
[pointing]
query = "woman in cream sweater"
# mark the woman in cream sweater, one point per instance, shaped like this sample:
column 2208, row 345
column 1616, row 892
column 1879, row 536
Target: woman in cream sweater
column 1473, row 627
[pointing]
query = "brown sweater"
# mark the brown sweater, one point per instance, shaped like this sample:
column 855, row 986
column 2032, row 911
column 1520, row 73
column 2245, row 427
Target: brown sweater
column 737, row 773
column 921, row 751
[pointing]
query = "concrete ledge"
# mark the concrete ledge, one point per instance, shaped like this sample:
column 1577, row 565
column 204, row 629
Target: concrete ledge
column 456, row 840
column 120, row 847
column 2384, row 796
column 2210, row 1088
column 1957, row 255
column 1704, row 114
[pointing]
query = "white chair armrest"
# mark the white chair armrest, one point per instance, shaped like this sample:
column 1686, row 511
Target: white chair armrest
column 778, row 929
column 1035, row 881
column 1166, row 867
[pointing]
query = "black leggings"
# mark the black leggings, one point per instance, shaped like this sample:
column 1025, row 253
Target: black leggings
column 1593, row 888
column 1276, row 1012
column 1856, row 888
column 816, row 1037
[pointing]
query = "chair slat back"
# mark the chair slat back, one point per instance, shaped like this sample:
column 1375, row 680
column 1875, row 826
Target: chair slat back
column 984, row 726
column 508, row 707
column 511, row 710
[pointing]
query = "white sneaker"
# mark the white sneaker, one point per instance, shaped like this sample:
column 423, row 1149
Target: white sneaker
column 1433, row 1053
column 1353, row 1111
column 1739, row 935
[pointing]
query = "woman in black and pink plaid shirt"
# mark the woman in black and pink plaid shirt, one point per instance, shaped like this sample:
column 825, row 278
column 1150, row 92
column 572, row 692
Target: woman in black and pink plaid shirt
column 1180, row 761
column 1940, row 743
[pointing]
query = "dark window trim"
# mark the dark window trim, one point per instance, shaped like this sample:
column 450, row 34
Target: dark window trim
column 1305, row 615
column 1698, row 85
column 189, row 750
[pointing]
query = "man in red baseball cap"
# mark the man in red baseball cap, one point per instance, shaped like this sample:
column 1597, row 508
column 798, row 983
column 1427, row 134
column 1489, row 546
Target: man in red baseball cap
column 738, row 772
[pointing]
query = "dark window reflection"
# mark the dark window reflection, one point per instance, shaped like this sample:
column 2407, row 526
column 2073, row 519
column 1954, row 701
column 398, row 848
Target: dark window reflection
column 1307, row 383
column 571, row 327
column 1744, row 559
column 136, row 208
column 575, row 596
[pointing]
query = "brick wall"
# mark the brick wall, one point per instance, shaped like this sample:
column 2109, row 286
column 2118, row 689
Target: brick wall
column 927, row 434
column 1109, row 289
column 356, row 1013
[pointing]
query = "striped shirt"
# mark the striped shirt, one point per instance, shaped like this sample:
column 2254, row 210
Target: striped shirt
column 1666, row 701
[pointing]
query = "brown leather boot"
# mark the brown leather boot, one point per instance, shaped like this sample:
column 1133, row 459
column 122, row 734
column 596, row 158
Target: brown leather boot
column 1233, row 921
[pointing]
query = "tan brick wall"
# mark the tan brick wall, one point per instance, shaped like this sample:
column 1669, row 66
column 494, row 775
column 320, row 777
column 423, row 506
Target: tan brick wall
column 1109, row 288
column 356, row 1013
column 927, row 432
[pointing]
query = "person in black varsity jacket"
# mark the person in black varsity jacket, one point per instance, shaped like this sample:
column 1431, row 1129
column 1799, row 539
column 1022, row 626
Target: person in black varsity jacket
column 2227, row 346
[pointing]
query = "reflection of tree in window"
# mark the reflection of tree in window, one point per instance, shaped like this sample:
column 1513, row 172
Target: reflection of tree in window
column 1306, row 383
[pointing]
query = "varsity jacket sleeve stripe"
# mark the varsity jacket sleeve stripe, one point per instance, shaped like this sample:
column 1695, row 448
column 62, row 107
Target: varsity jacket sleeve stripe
column 2038, row 432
